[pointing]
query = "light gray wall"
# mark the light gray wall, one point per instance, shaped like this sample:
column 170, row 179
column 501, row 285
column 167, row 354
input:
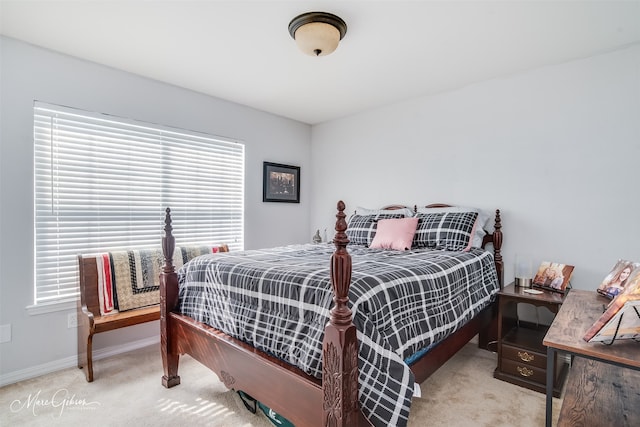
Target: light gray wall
column 556, row 149
column 28, row 73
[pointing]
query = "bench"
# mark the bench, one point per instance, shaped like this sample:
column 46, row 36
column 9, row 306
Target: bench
column 91, row 320
column 600, row 395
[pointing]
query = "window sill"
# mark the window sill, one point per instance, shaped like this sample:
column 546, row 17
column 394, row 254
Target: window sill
column 51, row 307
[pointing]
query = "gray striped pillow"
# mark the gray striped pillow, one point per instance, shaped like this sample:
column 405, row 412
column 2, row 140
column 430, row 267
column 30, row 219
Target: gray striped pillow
column 451, row 231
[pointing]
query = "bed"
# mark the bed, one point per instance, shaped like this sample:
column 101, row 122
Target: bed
column 340, row 355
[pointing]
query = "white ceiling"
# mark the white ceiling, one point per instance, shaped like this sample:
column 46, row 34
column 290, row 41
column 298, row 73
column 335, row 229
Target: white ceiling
column 241, row 51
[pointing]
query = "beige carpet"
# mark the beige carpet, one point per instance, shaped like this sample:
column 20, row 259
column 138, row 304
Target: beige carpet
column 127, row 392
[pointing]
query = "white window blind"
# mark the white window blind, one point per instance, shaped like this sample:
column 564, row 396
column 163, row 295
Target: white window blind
column 102, row 183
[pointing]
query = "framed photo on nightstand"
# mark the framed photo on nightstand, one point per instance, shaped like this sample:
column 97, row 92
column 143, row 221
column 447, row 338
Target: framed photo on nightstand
column 553, row 276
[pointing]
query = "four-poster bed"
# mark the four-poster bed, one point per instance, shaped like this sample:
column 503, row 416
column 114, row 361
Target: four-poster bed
column 302, row 398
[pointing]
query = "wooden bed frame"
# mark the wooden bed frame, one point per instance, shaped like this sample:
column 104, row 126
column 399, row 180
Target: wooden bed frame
column 301, row 398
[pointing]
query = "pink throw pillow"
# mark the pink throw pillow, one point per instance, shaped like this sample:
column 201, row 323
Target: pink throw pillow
column 395, row 233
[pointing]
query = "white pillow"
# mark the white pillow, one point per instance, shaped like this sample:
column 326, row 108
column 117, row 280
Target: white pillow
column 407, row 212
column 481, row 222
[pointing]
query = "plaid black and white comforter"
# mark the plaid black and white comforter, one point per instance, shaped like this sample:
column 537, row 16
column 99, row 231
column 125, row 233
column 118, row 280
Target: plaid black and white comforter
column 278, row 300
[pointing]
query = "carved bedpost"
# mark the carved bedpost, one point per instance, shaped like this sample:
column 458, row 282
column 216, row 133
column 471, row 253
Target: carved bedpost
column 497, row 245
column 340, row 346
column 489, row 336
column 168, row 300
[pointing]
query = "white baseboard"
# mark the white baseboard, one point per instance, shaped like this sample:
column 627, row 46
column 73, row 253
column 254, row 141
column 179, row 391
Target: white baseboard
column 72, row 361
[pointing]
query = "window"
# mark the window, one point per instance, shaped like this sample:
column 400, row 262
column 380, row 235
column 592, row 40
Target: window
column 103, row 183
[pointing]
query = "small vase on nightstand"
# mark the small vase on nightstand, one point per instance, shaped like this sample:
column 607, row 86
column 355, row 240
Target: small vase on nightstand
column 523, row 271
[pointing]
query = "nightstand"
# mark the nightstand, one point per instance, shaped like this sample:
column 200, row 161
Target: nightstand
column 522, row 358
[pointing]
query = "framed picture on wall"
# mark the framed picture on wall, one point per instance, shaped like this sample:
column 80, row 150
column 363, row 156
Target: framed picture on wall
column 280, row 183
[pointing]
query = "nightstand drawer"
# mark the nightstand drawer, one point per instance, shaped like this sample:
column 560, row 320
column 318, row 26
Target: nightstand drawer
column 524, row 371
column 524, row 357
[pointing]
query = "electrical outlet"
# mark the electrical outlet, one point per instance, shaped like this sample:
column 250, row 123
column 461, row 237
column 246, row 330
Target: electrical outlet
column 72, row 320
column 5, row 333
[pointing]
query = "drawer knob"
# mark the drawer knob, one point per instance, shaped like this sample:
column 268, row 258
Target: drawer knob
column 525, row 357
column 524, row 371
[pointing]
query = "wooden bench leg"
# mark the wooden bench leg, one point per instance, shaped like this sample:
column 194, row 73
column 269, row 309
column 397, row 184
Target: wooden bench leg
column 85, row 360
column 89, row 371
column 85, row 351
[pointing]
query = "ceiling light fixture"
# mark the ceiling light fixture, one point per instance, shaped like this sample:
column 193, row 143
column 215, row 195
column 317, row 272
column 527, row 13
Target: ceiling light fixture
column 317, row 33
